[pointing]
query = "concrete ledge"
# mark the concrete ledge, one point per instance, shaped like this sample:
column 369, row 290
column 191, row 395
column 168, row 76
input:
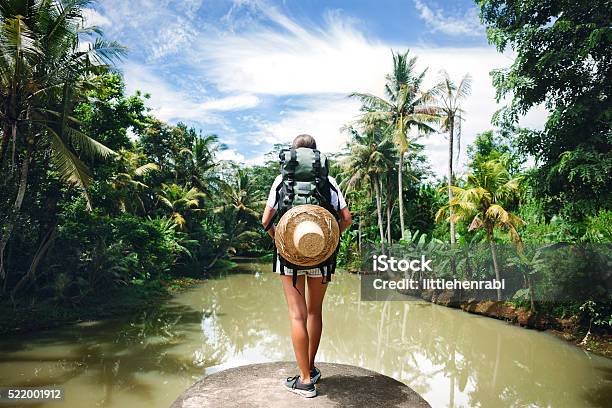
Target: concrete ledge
column 260, row 385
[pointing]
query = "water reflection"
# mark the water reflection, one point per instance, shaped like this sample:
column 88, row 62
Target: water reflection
column 450, row 357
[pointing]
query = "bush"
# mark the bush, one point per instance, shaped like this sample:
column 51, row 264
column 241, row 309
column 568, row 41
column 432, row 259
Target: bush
column 94, row 251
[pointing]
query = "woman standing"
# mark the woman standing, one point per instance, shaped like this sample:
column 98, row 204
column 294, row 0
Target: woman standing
column 305, row 307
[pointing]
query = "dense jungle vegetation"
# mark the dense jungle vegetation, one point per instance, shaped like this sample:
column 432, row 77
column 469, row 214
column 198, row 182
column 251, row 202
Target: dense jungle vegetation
column 97, row 195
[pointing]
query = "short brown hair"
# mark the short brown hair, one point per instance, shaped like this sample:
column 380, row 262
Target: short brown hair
column 304, row 141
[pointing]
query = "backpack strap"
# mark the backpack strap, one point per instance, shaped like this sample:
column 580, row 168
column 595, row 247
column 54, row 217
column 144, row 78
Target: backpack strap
column 286, row 264
column 330, row 266
column 276, row 204
column 335, row 190
column 317, row 167
column 325, row 199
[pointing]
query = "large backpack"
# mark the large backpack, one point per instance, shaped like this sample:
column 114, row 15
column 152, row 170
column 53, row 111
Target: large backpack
column 304, row 174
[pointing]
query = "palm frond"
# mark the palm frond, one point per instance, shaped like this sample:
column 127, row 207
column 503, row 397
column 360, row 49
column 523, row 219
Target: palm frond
column 145, row 169
column 372, row 101
column 90, row 147
column 497, row 213
column 17, row 37
column 178, row 219
column 465, row 87
column 475, row 224
column 70, row 168
column 441, row 213
column 166, row 202
column 106, row 52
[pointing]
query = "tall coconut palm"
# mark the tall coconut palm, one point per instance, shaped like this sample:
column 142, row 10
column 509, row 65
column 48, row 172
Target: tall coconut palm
column 449, row 97
column 481, row 203
column 406, row 107
column 390, row 184
column 368, row 160
column 43, row 67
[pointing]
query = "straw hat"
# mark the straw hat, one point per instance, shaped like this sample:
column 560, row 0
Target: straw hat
column 306, row 235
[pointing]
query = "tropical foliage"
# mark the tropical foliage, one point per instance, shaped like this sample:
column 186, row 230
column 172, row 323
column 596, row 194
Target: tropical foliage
column 563, row 62
column 98, row 193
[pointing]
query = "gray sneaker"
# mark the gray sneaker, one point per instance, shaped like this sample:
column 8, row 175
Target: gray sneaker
column 295, row 385
column 315, row 375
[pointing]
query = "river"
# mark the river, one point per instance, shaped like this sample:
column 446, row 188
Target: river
column 450, row 357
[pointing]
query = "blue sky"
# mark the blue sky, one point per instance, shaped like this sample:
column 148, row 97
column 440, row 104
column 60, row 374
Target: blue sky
column 260, row 72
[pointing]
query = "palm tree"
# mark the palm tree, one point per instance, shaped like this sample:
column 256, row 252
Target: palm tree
column 201, row 163
column 368, row 161
column 243, row 196
column 180, row 201
column 481, row 202
column 406, row 108
column 238, row 214
column 390, row 194
column 127, row 181
column 43, row 68
column 449, row 97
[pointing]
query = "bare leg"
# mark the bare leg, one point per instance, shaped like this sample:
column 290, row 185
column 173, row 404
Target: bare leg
column 316, row 292
column 296, row 304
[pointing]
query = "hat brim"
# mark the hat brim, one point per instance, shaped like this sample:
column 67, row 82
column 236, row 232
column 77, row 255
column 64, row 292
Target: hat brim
column 283, row 235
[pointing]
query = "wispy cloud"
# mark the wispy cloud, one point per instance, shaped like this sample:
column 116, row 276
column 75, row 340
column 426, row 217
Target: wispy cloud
column 170, row 104
column 171, row 37
column 93, row 18
column 291, row 75
column 287, row 58
column 154, row 29
column 325, row 63
column 465, row 23
column 321, row 116
column 230, row 103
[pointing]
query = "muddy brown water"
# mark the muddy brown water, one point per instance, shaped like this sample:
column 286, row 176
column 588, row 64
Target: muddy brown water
column 450, row 357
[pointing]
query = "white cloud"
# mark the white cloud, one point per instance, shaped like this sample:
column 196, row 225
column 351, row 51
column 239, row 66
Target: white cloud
column 295, row 60
column 155, row 28
column 330, row 62
column 231, row 154
column 465, row 24
column 171, row 37
column 320, row 117
column 319, row 65
column 93, row 18
column 170, row 104
column 229, row 103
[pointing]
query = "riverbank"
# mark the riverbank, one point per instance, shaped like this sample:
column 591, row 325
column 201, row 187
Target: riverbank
column 568, row 329
column 120, row 301
column 50, row 313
